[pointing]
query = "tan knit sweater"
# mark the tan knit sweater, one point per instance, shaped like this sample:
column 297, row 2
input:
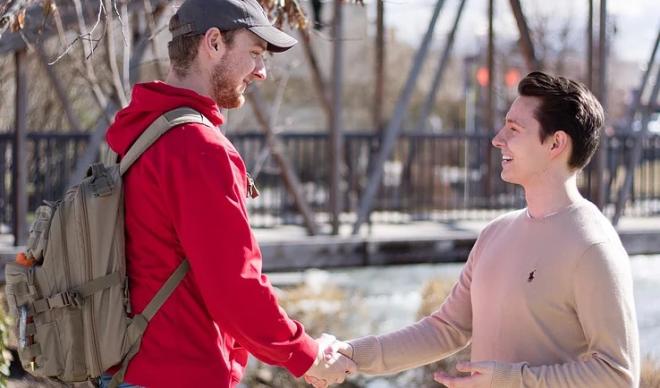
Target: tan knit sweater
column 549, row 299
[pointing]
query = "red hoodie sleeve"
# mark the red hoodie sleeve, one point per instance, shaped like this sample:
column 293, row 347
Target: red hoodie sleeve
column 205, row 184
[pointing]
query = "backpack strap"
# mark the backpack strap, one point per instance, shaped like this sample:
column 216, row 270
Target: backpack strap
column 140, row 321
column 161, row 125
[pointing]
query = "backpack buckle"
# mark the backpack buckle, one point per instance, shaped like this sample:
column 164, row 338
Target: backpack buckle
column 61, row 300
column 72, row 298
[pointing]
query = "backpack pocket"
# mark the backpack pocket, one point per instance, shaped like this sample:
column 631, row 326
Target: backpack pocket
column 38, row 236
column 17, row 289
column 48, row 361
column 21, row 293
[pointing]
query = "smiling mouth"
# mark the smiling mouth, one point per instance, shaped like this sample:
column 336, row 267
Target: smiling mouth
column 506, row 159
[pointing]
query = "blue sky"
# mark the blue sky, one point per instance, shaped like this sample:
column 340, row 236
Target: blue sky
column 637, row 21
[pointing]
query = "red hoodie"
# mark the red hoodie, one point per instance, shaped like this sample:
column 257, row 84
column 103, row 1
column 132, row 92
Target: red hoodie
column 185, row 197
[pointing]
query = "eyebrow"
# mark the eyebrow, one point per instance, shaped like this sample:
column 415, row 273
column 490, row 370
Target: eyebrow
column 262, row 45
column 514, row 122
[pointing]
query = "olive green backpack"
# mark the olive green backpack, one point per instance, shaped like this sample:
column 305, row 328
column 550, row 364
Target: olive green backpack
column 71, row 305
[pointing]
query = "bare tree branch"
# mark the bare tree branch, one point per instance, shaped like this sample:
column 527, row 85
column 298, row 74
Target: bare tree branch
column 111, row 52
column 59, row 25
column 317, row 76
column 151, row 25
column 101, row 99
column 128, row 46
column 89, row 36
column 279, row 97
column 291, row 180
column 59, row 89
column 84, row 35
column 121, row 21
column 9, row 13
column 264, row 154
column 290, row 12
column 65, row 52
column 564, row 46
column 281, row 11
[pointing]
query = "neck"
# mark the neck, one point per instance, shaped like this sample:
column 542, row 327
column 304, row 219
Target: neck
column 551, row 195
column 194, row 83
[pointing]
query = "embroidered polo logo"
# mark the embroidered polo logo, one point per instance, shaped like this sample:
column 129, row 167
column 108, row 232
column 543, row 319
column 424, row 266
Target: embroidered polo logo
column 531, row 276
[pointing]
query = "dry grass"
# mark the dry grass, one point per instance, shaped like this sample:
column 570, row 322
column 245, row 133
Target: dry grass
column 650, row 373
column 331, row 311
column 327, row 310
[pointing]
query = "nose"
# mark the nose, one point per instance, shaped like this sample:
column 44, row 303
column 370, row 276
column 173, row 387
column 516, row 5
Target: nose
column 259, row 71
column 498, row 140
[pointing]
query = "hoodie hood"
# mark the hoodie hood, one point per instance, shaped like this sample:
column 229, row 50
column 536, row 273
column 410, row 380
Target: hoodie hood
column 150, row 100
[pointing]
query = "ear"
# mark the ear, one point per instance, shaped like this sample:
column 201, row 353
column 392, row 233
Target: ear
column 559, row 143
column 212, row 44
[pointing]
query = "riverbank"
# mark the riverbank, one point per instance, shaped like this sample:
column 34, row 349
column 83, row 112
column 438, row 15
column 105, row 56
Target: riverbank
column 288, row 248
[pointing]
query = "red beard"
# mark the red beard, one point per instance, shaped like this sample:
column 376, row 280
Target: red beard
column 224, row 91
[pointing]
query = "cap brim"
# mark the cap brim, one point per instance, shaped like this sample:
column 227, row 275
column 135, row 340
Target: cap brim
column 277, row 40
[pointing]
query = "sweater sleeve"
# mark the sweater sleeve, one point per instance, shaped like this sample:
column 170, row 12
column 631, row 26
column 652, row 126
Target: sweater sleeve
column 605, row 307
column 435, row 337
column 206, row 189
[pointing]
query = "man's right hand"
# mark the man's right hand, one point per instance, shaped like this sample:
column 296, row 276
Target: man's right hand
column 331, row 365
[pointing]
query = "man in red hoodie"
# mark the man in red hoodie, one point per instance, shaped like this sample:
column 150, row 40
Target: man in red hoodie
column 185, row 198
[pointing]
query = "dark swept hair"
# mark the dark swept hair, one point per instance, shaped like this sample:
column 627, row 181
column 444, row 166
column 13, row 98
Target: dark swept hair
column 183, row 49
column 569, row 106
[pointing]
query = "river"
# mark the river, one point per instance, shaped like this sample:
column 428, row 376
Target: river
column 390, row 296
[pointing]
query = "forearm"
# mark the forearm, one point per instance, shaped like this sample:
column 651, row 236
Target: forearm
column 595, row 372
column 437, row 336
column 418, row 344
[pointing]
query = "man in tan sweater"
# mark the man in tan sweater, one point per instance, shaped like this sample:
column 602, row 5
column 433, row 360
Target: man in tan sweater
column 546, row 296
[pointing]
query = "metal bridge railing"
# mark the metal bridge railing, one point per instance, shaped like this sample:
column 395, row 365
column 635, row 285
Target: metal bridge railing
column 429, row 177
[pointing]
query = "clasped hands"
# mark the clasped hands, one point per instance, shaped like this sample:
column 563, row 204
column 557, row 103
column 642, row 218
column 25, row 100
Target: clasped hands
column 333, row 362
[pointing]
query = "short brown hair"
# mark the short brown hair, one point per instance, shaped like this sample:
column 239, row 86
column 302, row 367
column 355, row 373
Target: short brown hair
column 569, row 106
column 183, row 49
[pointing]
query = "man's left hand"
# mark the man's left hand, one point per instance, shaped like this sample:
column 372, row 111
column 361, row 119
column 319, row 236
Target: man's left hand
column 481, row 375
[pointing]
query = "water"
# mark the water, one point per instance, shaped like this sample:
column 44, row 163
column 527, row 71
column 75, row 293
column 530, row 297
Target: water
column 646, row 278
column 390, row 296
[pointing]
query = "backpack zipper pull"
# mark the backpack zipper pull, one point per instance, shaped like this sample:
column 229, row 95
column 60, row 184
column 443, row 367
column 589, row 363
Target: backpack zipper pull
column 24, row 260
column 252, row 191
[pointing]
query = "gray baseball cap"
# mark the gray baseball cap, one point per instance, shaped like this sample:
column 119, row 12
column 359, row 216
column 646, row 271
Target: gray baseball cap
column 198, row 16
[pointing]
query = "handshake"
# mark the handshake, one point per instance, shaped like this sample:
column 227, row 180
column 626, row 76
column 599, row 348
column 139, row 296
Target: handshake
column 333, row 362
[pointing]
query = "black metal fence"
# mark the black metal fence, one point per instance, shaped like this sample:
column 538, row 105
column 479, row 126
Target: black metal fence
column 430, row 176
